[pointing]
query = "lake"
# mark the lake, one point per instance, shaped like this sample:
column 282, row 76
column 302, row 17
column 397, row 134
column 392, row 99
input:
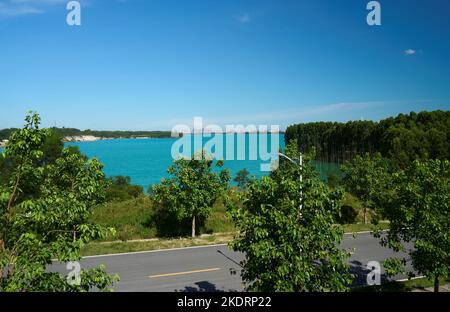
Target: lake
column 146, row 161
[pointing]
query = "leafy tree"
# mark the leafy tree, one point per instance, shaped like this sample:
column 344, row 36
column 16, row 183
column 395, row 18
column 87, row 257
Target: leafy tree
column 75, row 150
column 419, row 212
column 51, row 224
column 366, row 177
column 121, row 188
column 52, row 148
column 286, row 230
column 121, row 180
column 192, row 191
column 242, row 178
column 401, row 139
column 333, row 179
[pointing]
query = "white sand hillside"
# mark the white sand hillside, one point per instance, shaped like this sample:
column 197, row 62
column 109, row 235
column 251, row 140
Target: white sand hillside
column 81, row 138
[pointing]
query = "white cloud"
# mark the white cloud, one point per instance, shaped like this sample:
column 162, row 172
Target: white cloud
column 243, row 18
column 13, row 8
column 409, row 52
column 306, row 113
column 11, row 11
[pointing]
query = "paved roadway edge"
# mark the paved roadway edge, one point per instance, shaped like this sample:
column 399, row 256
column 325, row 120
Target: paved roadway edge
column 183, row 248
column 218, row 245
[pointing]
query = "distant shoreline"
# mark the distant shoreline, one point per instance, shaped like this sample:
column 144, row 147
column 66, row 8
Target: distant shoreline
column 114, row 135
column 91, row 138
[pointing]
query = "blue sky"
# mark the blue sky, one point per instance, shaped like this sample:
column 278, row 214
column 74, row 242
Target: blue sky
column 150, row 64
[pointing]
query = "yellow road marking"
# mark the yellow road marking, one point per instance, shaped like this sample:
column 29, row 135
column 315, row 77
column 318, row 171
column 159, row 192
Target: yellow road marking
column 184, row 273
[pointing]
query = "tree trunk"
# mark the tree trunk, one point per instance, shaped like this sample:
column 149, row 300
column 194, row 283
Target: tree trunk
column 365, row 215
column 436, row 283
column 193, row 226
column 10, row 269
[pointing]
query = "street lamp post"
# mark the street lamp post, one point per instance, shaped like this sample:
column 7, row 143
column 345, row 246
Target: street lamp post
column 300, row 165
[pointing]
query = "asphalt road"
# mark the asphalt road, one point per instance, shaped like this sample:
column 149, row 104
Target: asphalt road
column 210, row 268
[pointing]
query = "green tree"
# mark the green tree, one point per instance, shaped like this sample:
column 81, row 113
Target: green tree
column 419, row 212
column 193, row 190
column 402, row 139
column 242, row 178
column 366, row 177
column 333, row 179
column 121, row 189
column 286, row 230
column 51, row 224
column 53, row 147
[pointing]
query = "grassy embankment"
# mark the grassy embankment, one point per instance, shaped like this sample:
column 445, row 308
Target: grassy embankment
column 419, row 284
column 136, row 228
column 134, row 221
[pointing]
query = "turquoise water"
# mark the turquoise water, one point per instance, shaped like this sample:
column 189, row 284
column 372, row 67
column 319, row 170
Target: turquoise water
column 325, row 168
column 146, row 161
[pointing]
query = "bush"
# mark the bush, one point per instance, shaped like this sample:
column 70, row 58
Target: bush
column 348, row 215
column 333, row 179
column 121, row 189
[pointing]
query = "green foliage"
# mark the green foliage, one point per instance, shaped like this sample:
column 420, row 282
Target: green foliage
column 242, row 178
column 219, row 220
column 333, row 179
column 140, row 218
column 52, row 221
column 348, row 215
column 6, row 167
column 352, row 212
column 393, row 266
column 121, row 189
column 290, row 244
column 419, row 284
column 419, row 212
column 52, row 148
column 402, row 139
column 367, row 178
column 5, row 133
column 191, row 193
column 130, row 218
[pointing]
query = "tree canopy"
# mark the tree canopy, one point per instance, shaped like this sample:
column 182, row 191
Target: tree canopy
column 242, row 178
column 366, row 177
column 192, row 190
column 419, row 212
column 402, row 139
column 286, row 230
column 51, row 222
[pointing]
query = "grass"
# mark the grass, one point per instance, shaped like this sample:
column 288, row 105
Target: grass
column 132, row 219
column 353, row 210
column 353, row 216
column 100, row 248
column 405, row 286
column 218, row 221
column 360, row 227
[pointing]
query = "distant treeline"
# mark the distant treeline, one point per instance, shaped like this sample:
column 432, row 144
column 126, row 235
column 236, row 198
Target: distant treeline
column 403, row 138
column 4, row 134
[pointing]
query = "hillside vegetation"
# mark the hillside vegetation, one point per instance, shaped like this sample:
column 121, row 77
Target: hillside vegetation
column 5, row 133
column 404, row 138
